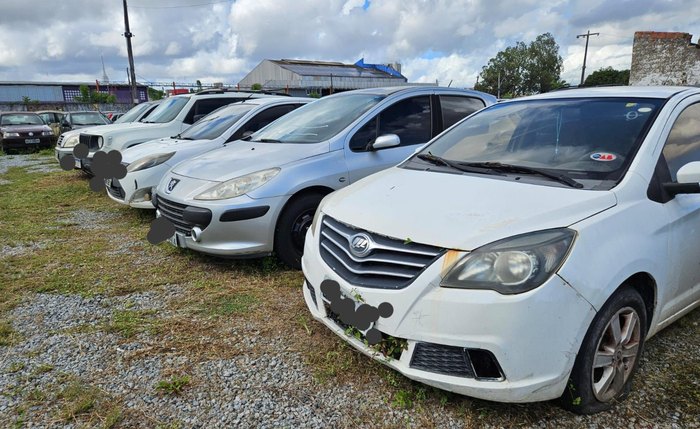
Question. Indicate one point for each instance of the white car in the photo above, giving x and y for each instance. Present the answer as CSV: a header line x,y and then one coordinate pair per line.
x,y
172,116
527,252
147,163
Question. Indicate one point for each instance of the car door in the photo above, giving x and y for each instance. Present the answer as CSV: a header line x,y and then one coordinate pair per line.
x,y
682,287
411,119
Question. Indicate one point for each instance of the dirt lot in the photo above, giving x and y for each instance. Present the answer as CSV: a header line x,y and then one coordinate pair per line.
x,y
98,328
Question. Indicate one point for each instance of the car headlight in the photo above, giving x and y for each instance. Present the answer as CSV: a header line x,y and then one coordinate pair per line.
x,y
513,265
10,135
149,161
47,133
100,142
71,141
238,186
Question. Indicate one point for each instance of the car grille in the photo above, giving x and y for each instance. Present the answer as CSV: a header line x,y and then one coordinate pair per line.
x,y
116,190
60,140
173,212
442,359
91,141
392,264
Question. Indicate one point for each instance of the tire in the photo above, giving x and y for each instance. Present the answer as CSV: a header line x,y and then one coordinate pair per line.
x,y
291,228
618,355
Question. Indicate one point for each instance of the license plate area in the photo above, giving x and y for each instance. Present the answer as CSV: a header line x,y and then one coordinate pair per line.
x,y
32,141
178,240
78,163
336,317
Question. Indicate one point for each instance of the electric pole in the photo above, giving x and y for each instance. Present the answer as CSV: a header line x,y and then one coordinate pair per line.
x,y
585,52
130,53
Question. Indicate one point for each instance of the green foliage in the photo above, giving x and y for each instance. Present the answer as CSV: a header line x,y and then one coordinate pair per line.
x,y
608,76
524,69
173,386
256,87
89,96
314,94
402,399
27,101
154,94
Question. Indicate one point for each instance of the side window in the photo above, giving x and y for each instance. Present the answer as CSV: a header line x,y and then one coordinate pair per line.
x,y
262,119
456,108
683,144
204,107
410,119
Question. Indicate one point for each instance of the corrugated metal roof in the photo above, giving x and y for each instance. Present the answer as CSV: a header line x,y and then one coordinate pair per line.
x,y
321,68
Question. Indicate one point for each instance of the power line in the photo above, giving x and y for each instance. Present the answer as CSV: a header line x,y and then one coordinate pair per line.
x,y
585,52
182,6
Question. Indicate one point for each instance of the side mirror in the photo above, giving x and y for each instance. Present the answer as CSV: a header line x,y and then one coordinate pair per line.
x,y
687,180
65,123
386,141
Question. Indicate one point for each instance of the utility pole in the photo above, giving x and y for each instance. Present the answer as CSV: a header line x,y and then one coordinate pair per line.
x,y
130,53
585,52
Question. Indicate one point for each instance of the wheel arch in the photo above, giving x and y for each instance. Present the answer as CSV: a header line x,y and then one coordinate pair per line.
x,y
645,284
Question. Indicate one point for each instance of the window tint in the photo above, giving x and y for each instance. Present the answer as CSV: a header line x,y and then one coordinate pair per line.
x,y
409,119
262,119
167,110
206,106
456,108
133,113
217,122
683,144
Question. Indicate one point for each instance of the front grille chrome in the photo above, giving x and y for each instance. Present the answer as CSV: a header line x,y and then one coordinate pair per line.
x,y
92,142
174,213
391,263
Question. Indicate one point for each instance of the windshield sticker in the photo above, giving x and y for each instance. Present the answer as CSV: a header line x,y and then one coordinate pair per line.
x,y
630,104
644,110
603,156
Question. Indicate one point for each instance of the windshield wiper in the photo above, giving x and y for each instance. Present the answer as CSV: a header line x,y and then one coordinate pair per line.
x,y
433,159
268,141
510,168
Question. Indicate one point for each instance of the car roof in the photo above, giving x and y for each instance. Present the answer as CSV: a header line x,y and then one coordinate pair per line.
x,y
10,112
50,111
615,91
269,100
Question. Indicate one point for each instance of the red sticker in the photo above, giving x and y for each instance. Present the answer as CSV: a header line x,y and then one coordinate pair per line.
x,y
603,156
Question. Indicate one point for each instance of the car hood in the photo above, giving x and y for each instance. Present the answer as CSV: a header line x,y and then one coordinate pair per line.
x,y
24,128
242,157
456,211
164,145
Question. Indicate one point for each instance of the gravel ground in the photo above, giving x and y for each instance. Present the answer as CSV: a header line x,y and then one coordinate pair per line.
x,y
32,164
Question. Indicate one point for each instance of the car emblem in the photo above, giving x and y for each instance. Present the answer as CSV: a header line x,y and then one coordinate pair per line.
x,y
360,245
171,185
31,134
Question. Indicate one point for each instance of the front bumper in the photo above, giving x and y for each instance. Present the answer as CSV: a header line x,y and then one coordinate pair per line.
x,y
21,142
133,188
533,336
248,235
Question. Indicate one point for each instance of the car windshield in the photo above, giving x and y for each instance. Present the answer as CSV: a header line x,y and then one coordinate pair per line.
x,y
87,118
216,123
133,113
584,139
167,110
317,121
21,119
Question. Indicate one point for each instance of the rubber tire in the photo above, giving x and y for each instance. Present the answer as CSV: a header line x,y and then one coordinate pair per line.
x,y
578,396
284,247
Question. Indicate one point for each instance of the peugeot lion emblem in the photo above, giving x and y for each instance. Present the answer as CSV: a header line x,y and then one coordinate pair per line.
x,y
31,134
171,185
360,245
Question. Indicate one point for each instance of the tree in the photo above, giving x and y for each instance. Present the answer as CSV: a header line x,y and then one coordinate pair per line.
x,y
608,76
256,87
523,69
154,94
88,96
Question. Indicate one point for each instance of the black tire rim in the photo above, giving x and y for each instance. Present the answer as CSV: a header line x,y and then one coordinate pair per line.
x,y
300,225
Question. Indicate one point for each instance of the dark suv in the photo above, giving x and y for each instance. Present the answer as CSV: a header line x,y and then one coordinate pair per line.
x,y
20,130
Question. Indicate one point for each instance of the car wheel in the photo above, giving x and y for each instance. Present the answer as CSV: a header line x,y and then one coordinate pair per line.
x,y
609,356
291,229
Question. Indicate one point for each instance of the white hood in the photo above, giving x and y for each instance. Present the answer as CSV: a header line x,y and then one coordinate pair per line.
x,y
459,211
167,145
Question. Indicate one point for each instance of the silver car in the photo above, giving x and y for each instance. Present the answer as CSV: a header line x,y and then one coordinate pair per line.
x,y
260,194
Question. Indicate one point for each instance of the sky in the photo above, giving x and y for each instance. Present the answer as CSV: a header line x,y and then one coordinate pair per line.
x,y
222,40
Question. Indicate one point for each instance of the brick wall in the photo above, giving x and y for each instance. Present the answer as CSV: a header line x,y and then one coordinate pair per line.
x,y
664,58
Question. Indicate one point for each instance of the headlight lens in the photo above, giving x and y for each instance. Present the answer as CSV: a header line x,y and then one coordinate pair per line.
x,y
11,134
71,141
514,265
47,133
238,186
149,161
100,142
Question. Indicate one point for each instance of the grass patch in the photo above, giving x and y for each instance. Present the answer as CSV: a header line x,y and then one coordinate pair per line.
x,y
128,323
227,305
77,398
174,385
16,367
8,335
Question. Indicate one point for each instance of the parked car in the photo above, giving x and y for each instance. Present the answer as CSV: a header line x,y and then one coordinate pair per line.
x,y
21,130
529,251
69,139
147,163
259,195
171,117
53,119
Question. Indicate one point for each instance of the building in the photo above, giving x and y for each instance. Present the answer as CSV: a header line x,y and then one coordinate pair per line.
x,y
61,94
660,58
300,77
